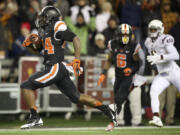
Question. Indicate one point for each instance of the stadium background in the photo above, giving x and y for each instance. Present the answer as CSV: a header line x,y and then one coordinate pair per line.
x,y
17,19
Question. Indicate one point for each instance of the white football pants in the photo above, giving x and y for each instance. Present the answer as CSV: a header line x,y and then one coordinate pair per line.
x,y
135,108
160,83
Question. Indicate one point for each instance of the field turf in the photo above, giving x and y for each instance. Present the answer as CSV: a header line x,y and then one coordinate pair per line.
x,y
77,125
95,131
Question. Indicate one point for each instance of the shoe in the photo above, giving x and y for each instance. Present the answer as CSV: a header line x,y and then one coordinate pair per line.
x,y
110,126
156,121
33,121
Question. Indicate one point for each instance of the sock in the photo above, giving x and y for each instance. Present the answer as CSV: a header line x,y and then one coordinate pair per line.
x,y
105,110
33,111
118,109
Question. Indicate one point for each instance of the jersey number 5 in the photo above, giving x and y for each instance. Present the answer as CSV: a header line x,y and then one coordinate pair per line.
x,y
48,46
121,60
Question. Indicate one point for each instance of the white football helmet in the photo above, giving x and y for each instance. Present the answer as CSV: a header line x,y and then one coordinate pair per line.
x,y
155,28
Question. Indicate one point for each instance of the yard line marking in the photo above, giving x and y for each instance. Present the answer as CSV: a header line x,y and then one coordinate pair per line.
x,y
88,128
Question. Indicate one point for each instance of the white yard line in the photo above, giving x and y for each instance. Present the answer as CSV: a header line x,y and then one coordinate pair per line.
x,y
87,128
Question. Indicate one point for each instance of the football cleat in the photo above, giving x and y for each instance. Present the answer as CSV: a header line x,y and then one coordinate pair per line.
x,y
156,121
110,126
33,121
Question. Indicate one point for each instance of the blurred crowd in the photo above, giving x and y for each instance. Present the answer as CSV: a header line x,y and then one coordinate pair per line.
x,y
94,21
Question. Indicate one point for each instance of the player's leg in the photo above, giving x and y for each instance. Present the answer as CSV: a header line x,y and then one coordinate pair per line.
x,y
135,106
122,90
175,77
37,80
28,94
162,101
159,84
170,105
69,89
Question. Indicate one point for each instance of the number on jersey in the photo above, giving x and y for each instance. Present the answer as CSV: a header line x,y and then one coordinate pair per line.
x,y
48,46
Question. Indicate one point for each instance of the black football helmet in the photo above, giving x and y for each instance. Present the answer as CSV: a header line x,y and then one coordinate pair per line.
x,y
124,34
47,16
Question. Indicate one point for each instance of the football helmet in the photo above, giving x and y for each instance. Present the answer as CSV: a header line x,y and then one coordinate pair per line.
x,y
47,16
124,33
155,28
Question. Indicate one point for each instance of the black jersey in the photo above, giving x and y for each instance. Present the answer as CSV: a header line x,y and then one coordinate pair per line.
x,y
53,47
123,57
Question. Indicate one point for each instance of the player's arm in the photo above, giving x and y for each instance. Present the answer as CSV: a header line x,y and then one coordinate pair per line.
x,y
62,33
33,43
171,52
136,58
77,47
107,65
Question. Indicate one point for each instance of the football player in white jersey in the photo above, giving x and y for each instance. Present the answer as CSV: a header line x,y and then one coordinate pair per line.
x,y
162,53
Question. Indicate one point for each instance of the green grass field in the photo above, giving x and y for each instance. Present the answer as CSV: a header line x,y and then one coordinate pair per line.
x,y
128,131
57,125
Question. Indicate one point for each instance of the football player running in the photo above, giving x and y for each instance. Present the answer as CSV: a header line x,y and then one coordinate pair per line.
x,y
53,33
124,55
162,53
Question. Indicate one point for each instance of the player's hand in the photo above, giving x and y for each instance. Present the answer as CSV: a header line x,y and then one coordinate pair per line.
x,y
154,59
101,79
32,38
76,66
127,71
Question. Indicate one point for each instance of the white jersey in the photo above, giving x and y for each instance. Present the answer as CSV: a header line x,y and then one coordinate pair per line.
x,y
164,45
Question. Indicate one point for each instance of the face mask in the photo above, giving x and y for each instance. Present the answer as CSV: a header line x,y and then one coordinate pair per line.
x,y
125,39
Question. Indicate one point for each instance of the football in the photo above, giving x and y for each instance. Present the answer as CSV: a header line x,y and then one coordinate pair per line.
x,y
36,41
33,43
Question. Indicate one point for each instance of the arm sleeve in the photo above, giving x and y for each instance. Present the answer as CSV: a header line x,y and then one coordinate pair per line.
x,y
66,35
61,32
172,53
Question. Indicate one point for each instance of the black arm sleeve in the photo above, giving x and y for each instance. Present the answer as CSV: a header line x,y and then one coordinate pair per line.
x,y
66,35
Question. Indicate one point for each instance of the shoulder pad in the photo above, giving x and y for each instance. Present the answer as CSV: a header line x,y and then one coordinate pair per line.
x,y
168,40
60,26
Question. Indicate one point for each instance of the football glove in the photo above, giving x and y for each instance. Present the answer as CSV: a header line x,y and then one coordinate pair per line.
x,y
101,79
31,39
154,59
127,71
76,66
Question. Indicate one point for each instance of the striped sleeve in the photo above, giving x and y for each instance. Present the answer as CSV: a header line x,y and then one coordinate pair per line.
x,y
60,26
